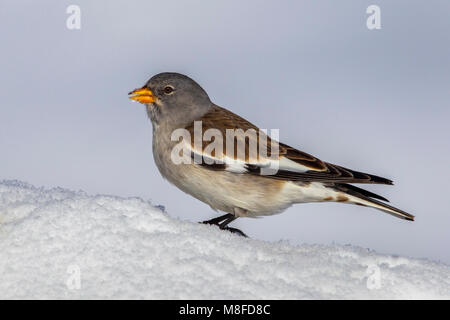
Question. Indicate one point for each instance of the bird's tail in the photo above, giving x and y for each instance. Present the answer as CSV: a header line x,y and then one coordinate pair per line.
x,y
366,198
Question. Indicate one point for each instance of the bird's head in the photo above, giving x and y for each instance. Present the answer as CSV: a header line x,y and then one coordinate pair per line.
x,y
172,95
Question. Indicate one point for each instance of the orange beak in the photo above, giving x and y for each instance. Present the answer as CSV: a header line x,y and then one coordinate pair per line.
x,y
142,95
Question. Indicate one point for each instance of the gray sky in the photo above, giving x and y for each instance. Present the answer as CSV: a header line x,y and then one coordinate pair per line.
x,y
376,101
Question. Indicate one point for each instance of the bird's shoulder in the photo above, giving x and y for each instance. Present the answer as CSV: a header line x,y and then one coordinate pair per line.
x,y
221,119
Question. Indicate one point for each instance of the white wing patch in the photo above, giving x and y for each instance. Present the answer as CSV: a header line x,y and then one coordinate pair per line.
x,y
289,165
240,166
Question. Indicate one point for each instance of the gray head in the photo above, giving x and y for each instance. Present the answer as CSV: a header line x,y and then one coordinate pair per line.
x,y
172,97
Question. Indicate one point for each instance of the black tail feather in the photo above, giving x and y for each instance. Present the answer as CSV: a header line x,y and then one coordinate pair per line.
x,y
355,191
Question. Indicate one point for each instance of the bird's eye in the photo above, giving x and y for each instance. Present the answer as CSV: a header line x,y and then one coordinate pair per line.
x,y
168,90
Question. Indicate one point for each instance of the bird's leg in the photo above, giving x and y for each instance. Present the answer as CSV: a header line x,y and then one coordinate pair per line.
x,y
217,220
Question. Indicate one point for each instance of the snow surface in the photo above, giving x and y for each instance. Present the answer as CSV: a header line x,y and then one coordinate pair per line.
x,y
68,245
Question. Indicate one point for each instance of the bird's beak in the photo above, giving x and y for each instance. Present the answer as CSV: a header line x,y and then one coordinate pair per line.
x,y
142,95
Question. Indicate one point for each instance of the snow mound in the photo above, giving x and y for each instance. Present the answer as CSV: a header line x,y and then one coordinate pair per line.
x,y
69,245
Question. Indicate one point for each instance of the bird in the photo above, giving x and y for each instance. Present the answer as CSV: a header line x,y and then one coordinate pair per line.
x,y
232,180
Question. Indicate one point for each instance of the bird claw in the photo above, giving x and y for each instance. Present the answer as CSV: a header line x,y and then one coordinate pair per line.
x,y
222,222
235,231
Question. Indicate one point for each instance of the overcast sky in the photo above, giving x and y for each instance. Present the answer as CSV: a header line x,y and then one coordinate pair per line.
x,y
372,100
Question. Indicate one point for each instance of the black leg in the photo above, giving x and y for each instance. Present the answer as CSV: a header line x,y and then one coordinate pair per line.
x,y
218,220
227,220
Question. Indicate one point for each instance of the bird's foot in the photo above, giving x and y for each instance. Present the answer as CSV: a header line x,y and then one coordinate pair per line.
x,y
235,231
222,223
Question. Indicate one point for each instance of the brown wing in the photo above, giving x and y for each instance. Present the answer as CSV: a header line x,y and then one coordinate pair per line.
x,y
221,119
310,168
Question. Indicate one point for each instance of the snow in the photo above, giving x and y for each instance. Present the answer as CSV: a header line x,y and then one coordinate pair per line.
x,y
63,244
